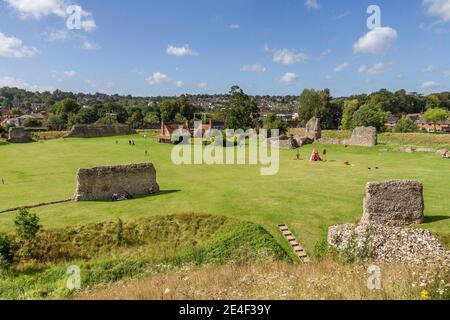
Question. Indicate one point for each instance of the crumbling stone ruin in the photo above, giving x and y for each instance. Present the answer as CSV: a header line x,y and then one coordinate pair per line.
x,y
364,137
103,183
394,203
389,244
19,135
313,132
389,207
284,142
361,136
93,131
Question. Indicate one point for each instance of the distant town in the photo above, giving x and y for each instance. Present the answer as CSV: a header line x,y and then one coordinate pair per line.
x,y
58,110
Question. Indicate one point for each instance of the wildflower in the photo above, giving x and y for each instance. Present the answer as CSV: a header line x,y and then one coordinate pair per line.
x,y
425,294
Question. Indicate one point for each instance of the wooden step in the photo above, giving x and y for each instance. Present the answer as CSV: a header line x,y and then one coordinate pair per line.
x,y
298,249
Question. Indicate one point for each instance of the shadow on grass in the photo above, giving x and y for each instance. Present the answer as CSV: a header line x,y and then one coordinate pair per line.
x,y
158,194
433,219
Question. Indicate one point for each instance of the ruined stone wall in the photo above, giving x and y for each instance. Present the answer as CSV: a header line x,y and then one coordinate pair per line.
x,y
364,137
101,183
394,203
313,132
93,131
381,234
361,136
19,135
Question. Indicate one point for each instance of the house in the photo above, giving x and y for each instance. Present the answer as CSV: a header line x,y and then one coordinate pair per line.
x,y
392,121
37,107
19,121
167,129
441,126
416,117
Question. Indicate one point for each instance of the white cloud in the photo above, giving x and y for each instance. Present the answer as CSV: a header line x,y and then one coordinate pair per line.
x,y
429,69
157,78
286,56
12,47
17,83
341,67
87,45
253,68
447,73
312,4
328,77
41,8
203,85
180,51
64,74
438,8
234,26
342,15
325,53
289,78
70,73
376,69
362,68
430,85
376,41
57,35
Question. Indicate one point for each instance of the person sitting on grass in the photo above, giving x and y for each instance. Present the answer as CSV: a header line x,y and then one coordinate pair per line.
x,y
315,156
446,155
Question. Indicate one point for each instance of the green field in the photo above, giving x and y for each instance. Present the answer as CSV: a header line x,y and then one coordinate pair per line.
x,y
309,197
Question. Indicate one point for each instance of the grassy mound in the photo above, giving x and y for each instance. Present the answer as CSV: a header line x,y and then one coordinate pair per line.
x,y
149,245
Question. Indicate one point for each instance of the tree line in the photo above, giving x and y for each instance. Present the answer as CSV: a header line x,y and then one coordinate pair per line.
x,y
239,111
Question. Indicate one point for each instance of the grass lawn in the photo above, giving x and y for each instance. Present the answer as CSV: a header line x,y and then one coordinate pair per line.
x,y
309,197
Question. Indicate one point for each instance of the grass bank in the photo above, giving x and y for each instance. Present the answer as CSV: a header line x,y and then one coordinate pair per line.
x,y
146,246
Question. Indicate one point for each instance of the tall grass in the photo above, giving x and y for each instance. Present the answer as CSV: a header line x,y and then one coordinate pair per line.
x,y
281,281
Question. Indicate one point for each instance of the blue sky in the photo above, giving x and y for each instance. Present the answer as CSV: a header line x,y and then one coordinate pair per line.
x,y
171,47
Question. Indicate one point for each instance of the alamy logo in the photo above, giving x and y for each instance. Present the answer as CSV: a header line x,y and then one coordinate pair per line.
x,y
374,20
234,147
74,278
74,13
374,280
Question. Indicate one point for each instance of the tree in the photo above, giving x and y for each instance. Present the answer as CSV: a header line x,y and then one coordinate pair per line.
x,y
107,120
54,122
272,121
370,116
179,118
434,115
14,112
241,112
169,109
27,225
6,254
311,105
151,118
136,120
405,125
350,107
32,122
86,116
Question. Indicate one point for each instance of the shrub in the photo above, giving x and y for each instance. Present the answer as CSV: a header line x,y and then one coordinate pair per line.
x,y
118,232
321,249
6,255
27,225
405,125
